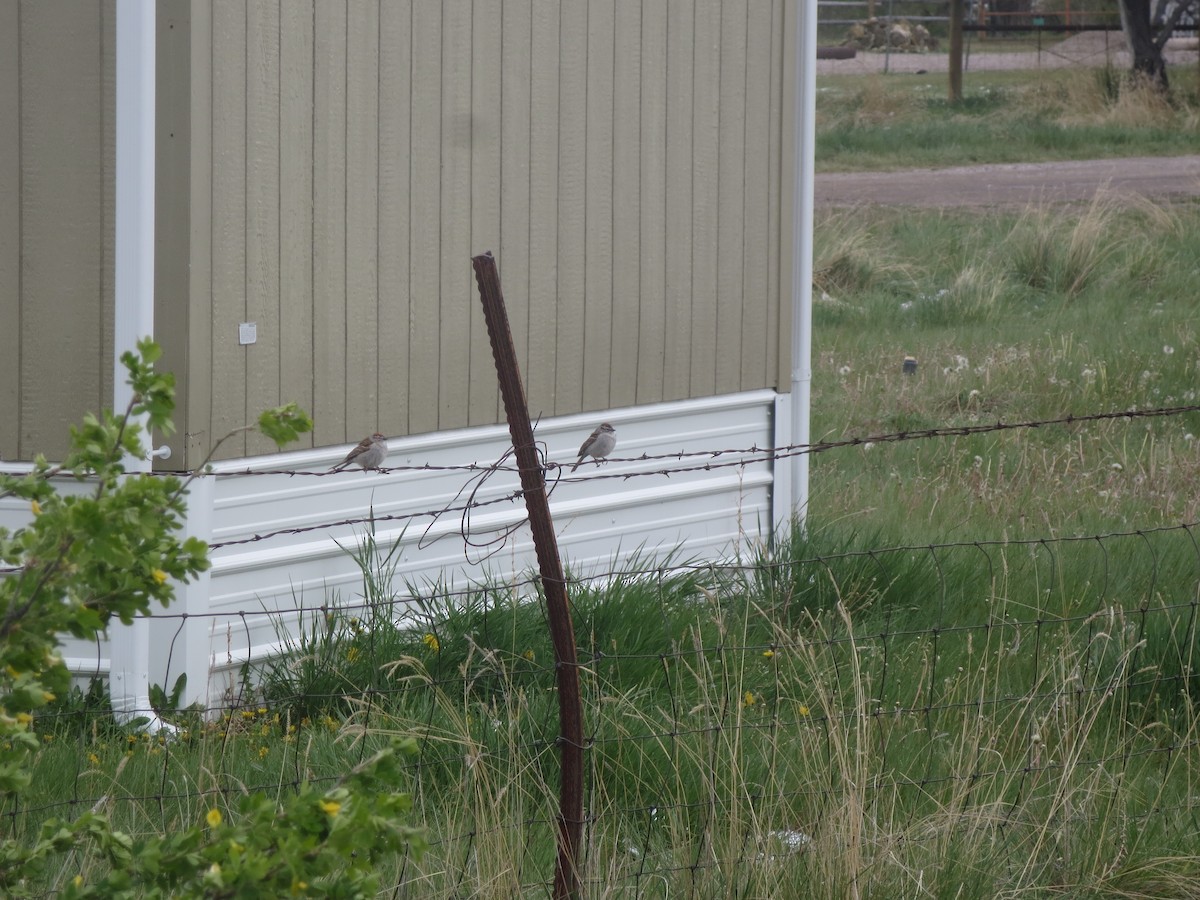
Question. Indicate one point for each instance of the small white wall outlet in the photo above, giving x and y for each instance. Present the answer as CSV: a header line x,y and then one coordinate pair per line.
x,y
247,333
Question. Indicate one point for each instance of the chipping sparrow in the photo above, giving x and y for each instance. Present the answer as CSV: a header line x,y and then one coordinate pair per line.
x,y
598,445
370,452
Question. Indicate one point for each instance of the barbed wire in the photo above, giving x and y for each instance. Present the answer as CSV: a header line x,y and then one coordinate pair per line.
x,y
746,457
758,454
764,454
770,562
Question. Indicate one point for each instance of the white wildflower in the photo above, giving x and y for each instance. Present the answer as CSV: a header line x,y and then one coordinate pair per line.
x,y
793,840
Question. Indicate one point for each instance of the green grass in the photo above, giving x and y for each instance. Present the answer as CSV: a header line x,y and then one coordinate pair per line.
x,y
879,122
1012,316
970,721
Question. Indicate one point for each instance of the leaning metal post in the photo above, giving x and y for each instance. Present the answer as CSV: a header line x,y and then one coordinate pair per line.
x,y
533,486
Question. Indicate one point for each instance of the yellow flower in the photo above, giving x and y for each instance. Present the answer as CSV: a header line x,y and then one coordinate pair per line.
x,y
24,718
749,699
528,654
93,759
77,881
352,654
159,575
47,696
768,653
213,818
432,642
263,751
331,807
803,710
36,507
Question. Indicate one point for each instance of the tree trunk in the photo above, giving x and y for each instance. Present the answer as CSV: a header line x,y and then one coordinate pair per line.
x,y
1139,33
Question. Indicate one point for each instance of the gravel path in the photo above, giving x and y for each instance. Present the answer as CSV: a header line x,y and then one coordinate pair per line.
x,y
1175,177
1091,48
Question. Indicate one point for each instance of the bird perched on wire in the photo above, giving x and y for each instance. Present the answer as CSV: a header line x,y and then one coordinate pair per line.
x,y
369,454
599,444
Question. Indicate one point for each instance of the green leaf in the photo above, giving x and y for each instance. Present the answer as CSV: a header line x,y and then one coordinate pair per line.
x,y
284,424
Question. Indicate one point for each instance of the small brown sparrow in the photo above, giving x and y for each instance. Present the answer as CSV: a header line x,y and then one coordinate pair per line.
x,y
598,445
369,454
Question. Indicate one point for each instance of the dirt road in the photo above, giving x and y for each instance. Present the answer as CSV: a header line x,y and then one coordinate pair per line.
x,y
1091,49
1015,184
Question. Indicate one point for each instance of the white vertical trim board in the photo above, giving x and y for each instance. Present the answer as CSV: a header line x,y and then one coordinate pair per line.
x,y
133,317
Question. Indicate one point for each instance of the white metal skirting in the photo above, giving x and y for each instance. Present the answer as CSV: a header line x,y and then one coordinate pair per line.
x,y
293,558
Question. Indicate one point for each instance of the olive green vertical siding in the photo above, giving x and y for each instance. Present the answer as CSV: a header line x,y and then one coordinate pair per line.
x,y
173,207
328,167
622,159
10,232
57,103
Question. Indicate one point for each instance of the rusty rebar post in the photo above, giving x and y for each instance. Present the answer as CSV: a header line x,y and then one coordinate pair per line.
x,y
533,485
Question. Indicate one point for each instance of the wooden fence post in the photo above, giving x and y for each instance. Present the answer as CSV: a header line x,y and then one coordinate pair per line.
x,y
956,50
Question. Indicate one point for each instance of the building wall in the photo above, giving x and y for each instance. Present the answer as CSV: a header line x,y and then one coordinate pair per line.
x,y
57,106
326,169
623,160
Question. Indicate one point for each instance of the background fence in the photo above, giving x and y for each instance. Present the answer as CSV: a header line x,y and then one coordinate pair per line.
x,y
979,12
847,717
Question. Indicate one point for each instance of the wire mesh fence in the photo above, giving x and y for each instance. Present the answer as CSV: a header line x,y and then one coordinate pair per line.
x,y
837,719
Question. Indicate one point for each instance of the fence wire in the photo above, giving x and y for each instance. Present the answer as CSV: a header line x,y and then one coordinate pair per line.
x,y
981,681
746,720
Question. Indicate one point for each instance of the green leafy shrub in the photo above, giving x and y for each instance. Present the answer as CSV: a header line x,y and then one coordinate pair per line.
x,y
111,553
